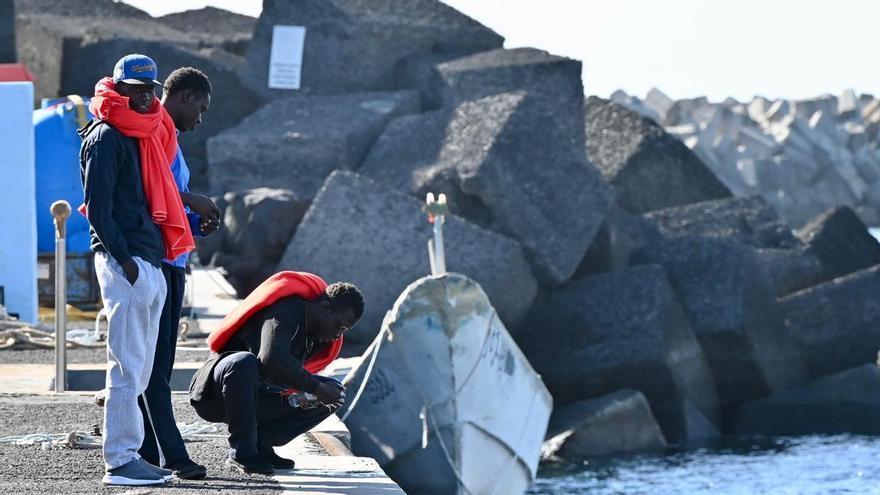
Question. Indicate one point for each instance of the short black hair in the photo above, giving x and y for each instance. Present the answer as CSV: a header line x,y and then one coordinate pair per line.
x,y
346,295
187,78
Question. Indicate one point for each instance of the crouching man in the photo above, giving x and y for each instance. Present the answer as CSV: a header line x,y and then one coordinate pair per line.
x,y
265,354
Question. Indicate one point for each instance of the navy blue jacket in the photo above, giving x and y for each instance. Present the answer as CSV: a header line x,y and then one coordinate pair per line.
x,y
119,221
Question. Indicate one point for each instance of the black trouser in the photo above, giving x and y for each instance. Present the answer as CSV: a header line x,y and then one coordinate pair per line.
x,y
163,445
257,420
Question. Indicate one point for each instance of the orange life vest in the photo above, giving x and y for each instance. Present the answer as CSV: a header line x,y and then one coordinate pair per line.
x,y
282,284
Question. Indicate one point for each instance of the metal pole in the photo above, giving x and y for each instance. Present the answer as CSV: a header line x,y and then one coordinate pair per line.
x,y
60,212
437,211
439,248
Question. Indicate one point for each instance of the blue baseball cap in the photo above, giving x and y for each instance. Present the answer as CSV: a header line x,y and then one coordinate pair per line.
x,y
136,69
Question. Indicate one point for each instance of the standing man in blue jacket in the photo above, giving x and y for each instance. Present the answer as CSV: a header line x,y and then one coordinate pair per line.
x,y
187,95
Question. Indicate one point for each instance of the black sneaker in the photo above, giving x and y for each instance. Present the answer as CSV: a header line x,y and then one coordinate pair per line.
x,y
251,465
188,470
277,461
132,473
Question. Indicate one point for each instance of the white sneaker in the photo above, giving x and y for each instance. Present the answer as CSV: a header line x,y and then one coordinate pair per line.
x,y
132,473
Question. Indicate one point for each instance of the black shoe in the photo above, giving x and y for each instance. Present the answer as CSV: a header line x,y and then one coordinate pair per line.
x,y
277,461
188,470
251,465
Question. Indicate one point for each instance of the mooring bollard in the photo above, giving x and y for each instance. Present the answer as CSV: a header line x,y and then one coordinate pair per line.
x,y
437,211
60,212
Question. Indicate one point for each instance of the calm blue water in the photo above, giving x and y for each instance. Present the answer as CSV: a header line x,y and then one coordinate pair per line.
x,y
812,465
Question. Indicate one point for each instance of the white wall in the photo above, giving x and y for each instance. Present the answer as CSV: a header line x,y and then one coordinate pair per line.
x,y
18,220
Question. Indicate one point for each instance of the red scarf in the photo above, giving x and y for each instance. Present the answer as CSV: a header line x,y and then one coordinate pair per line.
x,y
157,140
282,284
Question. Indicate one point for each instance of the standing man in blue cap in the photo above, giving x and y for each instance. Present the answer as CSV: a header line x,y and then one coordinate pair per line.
x,y
186,96
136,219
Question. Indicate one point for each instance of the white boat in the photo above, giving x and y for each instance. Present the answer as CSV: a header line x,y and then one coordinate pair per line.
x,y
451,405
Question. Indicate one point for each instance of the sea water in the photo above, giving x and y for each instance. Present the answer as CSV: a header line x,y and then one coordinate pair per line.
x,y
809,465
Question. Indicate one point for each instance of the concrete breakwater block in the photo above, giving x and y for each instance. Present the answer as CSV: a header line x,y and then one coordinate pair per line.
x,y
361,232
270,215
803,156
214,27
506,167
625,329
835,324
620,235
746,220
841,241
730,302
648,168
294,143
749,221
846,402
355,45
617,423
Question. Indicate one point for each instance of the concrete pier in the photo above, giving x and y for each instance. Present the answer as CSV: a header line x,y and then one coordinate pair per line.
x,y
324,462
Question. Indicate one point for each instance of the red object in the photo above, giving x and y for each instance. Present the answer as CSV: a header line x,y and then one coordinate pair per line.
x,y
157,140
282,284
15,72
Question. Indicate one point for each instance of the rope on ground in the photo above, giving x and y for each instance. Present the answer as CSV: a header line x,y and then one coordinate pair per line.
x,y
72,440
199,429
83,440
31,338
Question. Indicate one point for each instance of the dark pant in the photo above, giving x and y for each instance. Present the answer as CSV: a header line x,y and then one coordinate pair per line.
x,y
163,445
257,420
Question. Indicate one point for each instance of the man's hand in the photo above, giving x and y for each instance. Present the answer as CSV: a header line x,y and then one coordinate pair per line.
x,y
206,208
331,393
209,225
131,271
203,205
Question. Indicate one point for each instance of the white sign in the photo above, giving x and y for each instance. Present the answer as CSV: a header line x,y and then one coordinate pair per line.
x,y
285,60
42,271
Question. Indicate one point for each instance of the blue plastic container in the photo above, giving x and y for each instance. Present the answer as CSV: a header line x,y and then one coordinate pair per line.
x,y
57,171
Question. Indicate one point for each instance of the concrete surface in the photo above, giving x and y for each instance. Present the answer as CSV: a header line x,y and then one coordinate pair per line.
x,y
27,407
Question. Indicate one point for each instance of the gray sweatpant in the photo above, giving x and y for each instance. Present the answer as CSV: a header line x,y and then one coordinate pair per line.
x,y
133,313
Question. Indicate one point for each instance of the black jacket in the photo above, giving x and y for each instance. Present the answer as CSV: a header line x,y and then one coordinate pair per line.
x,y
277,336
110,169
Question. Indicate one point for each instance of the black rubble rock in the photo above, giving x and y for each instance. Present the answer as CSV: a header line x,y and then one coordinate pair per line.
x,y
841,241
483,155
617,423
214,27
622,330
746,220
836,324
648,168
80,8
361,232
294,143
846,402
620,236
730,302
355,45
7,32
257,226
749,221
